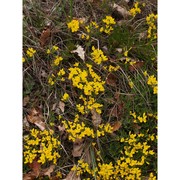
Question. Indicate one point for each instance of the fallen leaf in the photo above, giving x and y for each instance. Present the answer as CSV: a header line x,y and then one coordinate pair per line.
x,y
26,100
116,110
120,10
54,106
35,166
137,65
80,52
77,148
72,176
25,123
48,171
116,125
61,128
119,50
44,74
111,79
87,157
45,35
96,118
61,106
116,95
29,176
36,118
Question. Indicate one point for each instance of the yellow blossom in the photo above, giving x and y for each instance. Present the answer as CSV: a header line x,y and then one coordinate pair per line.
x,y
73,25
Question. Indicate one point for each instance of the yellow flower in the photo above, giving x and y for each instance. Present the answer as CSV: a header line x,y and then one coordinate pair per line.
x,y
30,52
155,90
152,80
135,10
48,51
98,56
65,97
57,60
23,59
73,25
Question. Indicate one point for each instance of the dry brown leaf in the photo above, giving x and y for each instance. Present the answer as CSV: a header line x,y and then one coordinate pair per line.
x,y
137,65
77,148
87,157
116,110
116,125
26,100
45,35
72,176
36,118
25,123
121,10
61,128
111,79
29,176
44,74
96,118
80,51
35,166
61,106
48,171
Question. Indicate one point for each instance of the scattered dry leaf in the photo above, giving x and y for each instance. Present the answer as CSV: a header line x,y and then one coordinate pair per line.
x,y
45,35
80,52
111,79
62,130
116,110
72,176
35,166
119,50
116,125
29,176
96,118
26,100
137,65
77,148
121,10
48,171
25,123
61,106
36,118
44,74
87,157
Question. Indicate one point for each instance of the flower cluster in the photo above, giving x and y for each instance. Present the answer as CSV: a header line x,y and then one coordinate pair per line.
x,y
90,84
89,29
65,97
135,10
152,81
52,80
57,60
78,130
52,50
108,25
73,25
151,22
42,146
30,52
98,56
81,168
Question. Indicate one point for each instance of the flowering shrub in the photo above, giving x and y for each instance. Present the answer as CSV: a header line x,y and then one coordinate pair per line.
x,y
42,146
96,84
